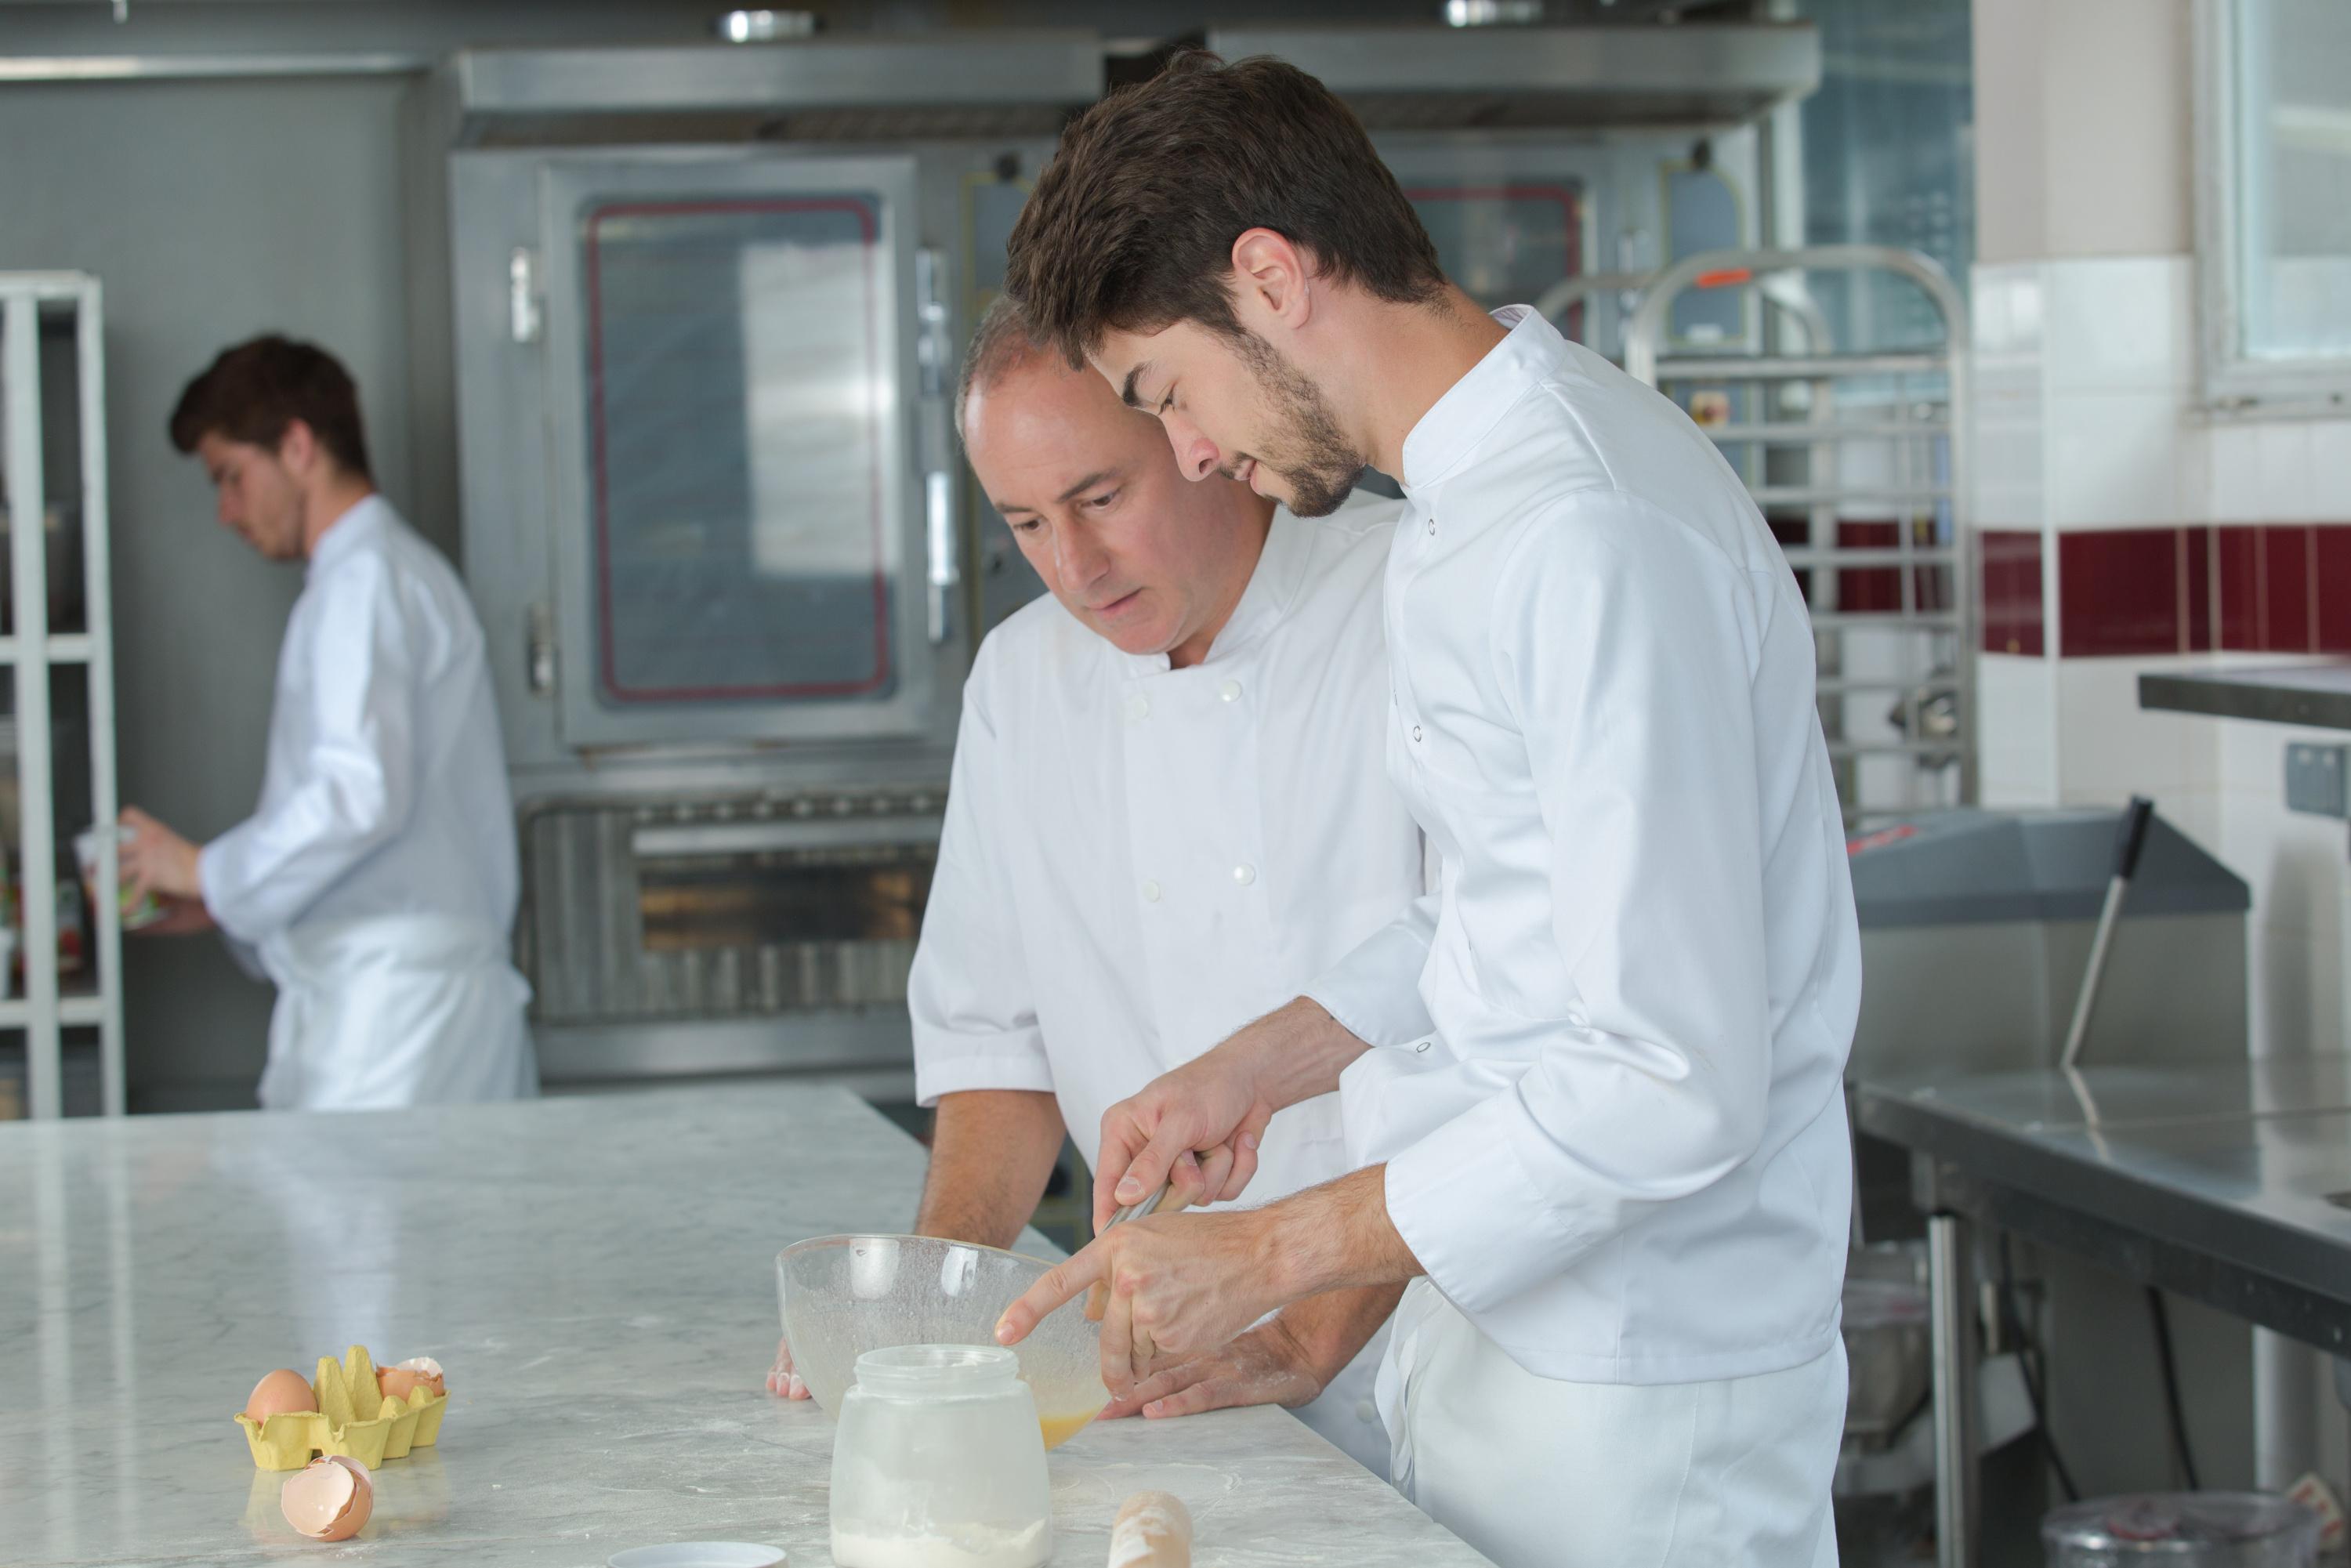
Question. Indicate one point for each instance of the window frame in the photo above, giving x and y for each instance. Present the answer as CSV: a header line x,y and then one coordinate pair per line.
x,y
2234,385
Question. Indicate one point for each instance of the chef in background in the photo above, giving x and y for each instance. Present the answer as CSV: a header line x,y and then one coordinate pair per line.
x,y
376,882
1167,812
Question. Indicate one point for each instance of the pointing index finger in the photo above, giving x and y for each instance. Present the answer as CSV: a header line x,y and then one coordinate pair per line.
x,y
1060,1283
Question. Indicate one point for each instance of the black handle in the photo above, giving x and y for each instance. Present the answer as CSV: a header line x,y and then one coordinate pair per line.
x,y
2131,837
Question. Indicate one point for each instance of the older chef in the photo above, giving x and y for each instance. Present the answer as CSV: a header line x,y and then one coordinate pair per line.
x,y
1617,1169
376,882
1167,815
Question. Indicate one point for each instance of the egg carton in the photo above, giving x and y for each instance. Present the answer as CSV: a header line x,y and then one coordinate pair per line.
x,y
353,1419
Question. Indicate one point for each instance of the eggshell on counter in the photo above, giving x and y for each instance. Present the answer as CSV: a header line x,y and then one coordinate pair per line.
x,y
327,1499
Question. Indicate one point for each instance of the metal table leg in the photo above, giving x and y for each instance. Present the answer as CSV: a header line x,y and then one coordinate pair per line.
x,y
1950,1293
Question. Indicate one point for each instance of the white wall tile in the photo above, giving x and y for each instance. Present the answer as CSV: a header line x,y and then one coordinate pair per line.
x,y
2114,458
2006,315
2330,470
2237,491
2118,323
2016,703
2191,470
2109,748
2281,457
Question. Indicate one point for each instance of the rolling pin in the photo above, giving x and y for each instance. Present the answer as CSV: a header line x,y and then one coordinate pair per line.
x,y
1152,1531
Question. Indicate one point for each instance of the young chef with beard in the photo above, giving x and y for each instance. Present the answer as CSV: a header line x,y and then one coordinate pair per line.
x,y
1167,814
376,882
1617,1169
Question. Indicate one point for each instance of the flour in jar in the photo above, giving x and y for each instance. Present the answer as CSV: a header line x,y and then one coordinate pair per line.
x,y
969,1546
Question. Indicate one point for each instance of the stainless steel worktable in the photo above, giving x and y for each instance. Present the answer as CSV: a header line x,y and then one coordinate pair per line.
x,y
2228,1183
2317,696
596,1274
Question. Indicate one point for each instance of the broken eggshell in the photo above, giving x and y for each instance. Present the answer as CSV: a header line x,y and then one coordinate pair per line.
x,y
329,1499
400,1381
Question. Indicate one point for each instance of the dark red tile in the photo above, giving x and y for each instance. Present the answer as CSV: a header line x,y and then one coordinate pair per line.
x,y
2237,557
2332,576
2198,552
2118,593
2287,619
1868,590
2009,574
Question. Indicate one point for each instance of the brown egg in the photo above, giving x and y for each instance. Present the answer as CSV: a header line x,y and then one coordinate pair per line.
x,y
399,1382
328,1499
279,1393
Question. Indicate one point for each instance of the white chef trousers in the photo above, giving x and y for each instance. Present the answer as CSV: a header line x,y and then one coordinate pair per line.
x,y
392,1011
1539,1473
1347,1413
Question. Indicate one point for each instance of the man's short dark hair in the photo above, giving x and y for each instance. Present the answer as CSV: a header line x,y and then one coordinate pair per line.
x,y
1003,343
1131,228
253,391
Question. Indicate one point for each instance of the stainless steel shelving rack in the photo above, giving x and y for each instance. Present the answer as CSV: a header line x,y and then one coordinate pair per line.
x,y
58,306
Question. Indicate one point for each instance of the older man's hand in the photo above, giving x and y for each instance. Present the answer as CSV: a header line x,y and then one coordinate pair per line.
x,y
1178,1287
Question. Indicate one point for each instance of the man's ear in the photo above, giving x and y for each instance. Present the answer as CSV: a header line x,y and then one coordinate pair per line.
x,y
297,447
1271,281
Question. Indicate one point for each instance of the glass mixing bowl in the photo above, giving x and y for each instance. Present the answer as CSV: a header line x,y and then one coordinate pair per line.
x,y
844,1295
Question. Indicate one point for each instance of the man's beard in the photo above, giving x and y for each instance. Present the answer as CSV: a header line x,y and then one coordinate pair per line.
x,y
1309,454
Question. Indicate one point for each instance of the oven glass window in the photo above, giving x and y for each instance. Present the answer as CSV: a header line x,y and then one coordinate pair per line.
x,y
737,389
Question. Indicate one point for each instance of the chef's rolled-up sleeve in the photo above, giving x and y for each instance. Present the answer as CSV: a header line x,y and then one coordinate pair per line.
x,y
1624,647
359,779
1374,991
973,1010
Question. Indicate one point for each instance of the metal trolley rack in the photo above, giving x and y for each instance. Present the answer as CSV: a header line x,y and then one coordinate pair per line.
x,y
1859,460
50,337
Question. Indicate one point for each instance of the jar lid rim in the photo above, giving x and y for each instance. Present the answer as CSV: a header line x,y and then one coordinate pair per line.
x,y
936,1365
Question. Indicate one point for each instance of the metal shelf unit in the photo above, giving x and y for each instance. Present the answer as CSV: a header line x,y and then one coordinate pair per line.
x,y
1872,439
65,303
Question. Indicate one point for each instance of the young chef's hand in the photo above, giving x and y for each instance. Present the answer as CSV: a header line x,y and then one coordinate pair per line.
x,y
1197,1126
1200,1124
783,1381
1179,1286
154,859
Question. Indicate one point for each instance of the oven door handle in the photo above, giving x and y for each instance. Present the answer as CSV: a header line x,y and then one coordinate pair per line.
x,y
939,532
699,840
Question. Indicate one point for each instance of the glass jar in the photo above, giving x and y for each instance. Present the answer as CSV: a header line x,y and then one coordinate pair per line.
x,y
939,1460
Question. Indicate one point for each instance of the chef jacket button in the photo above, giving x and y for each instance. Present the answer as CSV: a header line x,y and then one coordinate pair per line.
x,y
1415,732
1422,1048
1230,691
1366,1411
1245,874
1432,525
1138,708
1150,893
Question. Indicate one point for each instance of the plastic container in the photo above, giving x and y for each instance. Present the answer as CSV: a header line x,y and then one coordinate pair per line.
x,y
841,1296
939,1460
2182,1529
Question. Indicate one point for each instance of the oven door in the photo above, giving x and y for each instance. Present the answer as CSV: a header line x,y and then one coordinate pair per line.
x,y
741,541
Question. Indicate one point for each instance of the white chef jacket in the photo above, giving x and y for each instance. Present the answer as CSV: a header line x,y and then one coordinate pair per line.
x,y
1139,860
1621,1151
377,879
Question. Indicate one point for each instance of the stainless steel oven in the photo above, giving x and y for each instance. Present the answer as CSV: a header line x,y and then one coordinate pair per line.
x,y
706,307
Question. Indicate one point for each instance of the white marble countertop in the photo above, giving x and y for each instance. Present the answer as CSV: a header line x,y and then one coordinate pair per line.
x,y
597,1276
